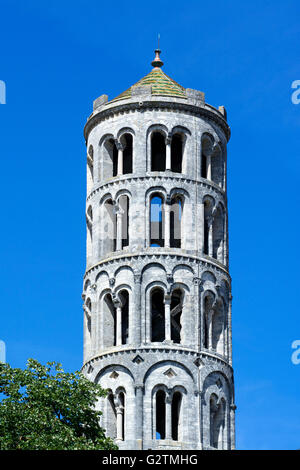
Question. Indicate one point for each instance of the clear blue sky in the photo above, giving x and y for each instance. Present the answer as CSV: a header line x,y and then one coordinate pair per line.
x,y
56,57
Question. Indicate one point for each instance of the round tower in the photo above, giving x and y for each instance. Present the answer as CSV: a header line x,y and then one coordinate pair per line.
x,y
157,291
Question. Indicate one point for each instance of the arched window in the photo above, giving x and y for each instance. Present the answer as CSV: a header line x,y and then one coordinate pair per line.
x,y
89,320
121,414
109,322
217,421
218,326
218,235
207,143
157,221
176,312
175,222
217,166
158,152
110,159
203,165
89,237
160,414
127,141
90,168
124,297
176,153
124,229
111,416
207,319
88,327
212,164
157,315
110,227
176,415
207,242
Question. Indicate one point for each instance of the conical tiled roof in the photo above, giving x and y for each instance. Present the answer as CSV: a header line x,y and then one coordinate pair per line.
x,y
161,83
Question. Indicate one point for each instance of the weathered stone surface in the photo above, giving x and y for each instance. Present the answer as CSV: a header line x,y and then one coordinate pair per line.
x,y
199,367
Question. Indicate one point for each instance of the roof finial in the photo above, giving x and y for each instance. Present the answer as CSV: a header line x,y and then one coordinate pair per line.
x,y
157,62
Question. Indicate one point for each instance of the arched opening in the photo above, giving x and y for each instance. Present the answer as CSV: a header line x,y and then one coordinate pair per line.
x,y
208,302
206,233
175,222
203,165
109,322
158,152
208,205
88,327
111,416
127,142
160,414
110,159
157,315
89,238
207,142
90,168
110,227
217,166
176,312
157,221
217,421
89,319
218,320
124,205
176,153
124,297
218,234
122,416
176,408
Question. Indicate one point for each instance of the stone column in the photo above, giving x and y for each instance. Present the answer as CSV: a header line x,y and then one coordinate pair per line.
x,y
168,416
120,414
168,153
139,390
208,173
167,209
225,243
137,308
118,307
119,230
210,237
120,158
210,324
198,310
232,427
200,227
87,341
229,326
167,317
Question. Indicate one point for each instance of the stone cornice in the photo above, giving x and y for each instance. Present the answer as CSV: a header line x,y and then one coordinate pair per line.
x,y
154,348
184,179
207,111
148,255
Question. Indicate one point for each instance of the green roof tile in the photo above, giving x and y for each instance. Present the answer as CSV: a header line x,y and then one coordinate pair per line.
x,y
161,83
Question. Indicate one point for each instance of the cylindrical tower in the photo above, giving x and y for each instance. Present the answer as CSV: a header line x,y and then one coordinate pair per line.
x,y
157,292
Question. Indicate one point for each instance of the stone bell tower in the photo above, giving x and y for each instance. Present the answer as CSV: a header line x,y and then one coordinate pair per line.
x,y
157,291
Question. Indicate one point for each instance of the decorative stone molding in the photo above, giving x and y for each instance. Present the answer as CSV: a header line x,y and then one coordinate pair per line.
x,y
152,179
178,258
208,112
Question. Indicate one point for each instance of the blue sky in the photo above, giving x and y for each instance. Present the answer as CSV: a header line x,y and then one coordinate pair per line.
x,y
56,57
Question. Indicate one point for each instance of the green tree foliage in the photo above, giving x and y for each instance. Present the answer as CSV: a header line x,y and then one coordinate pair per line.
x,y
43,407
